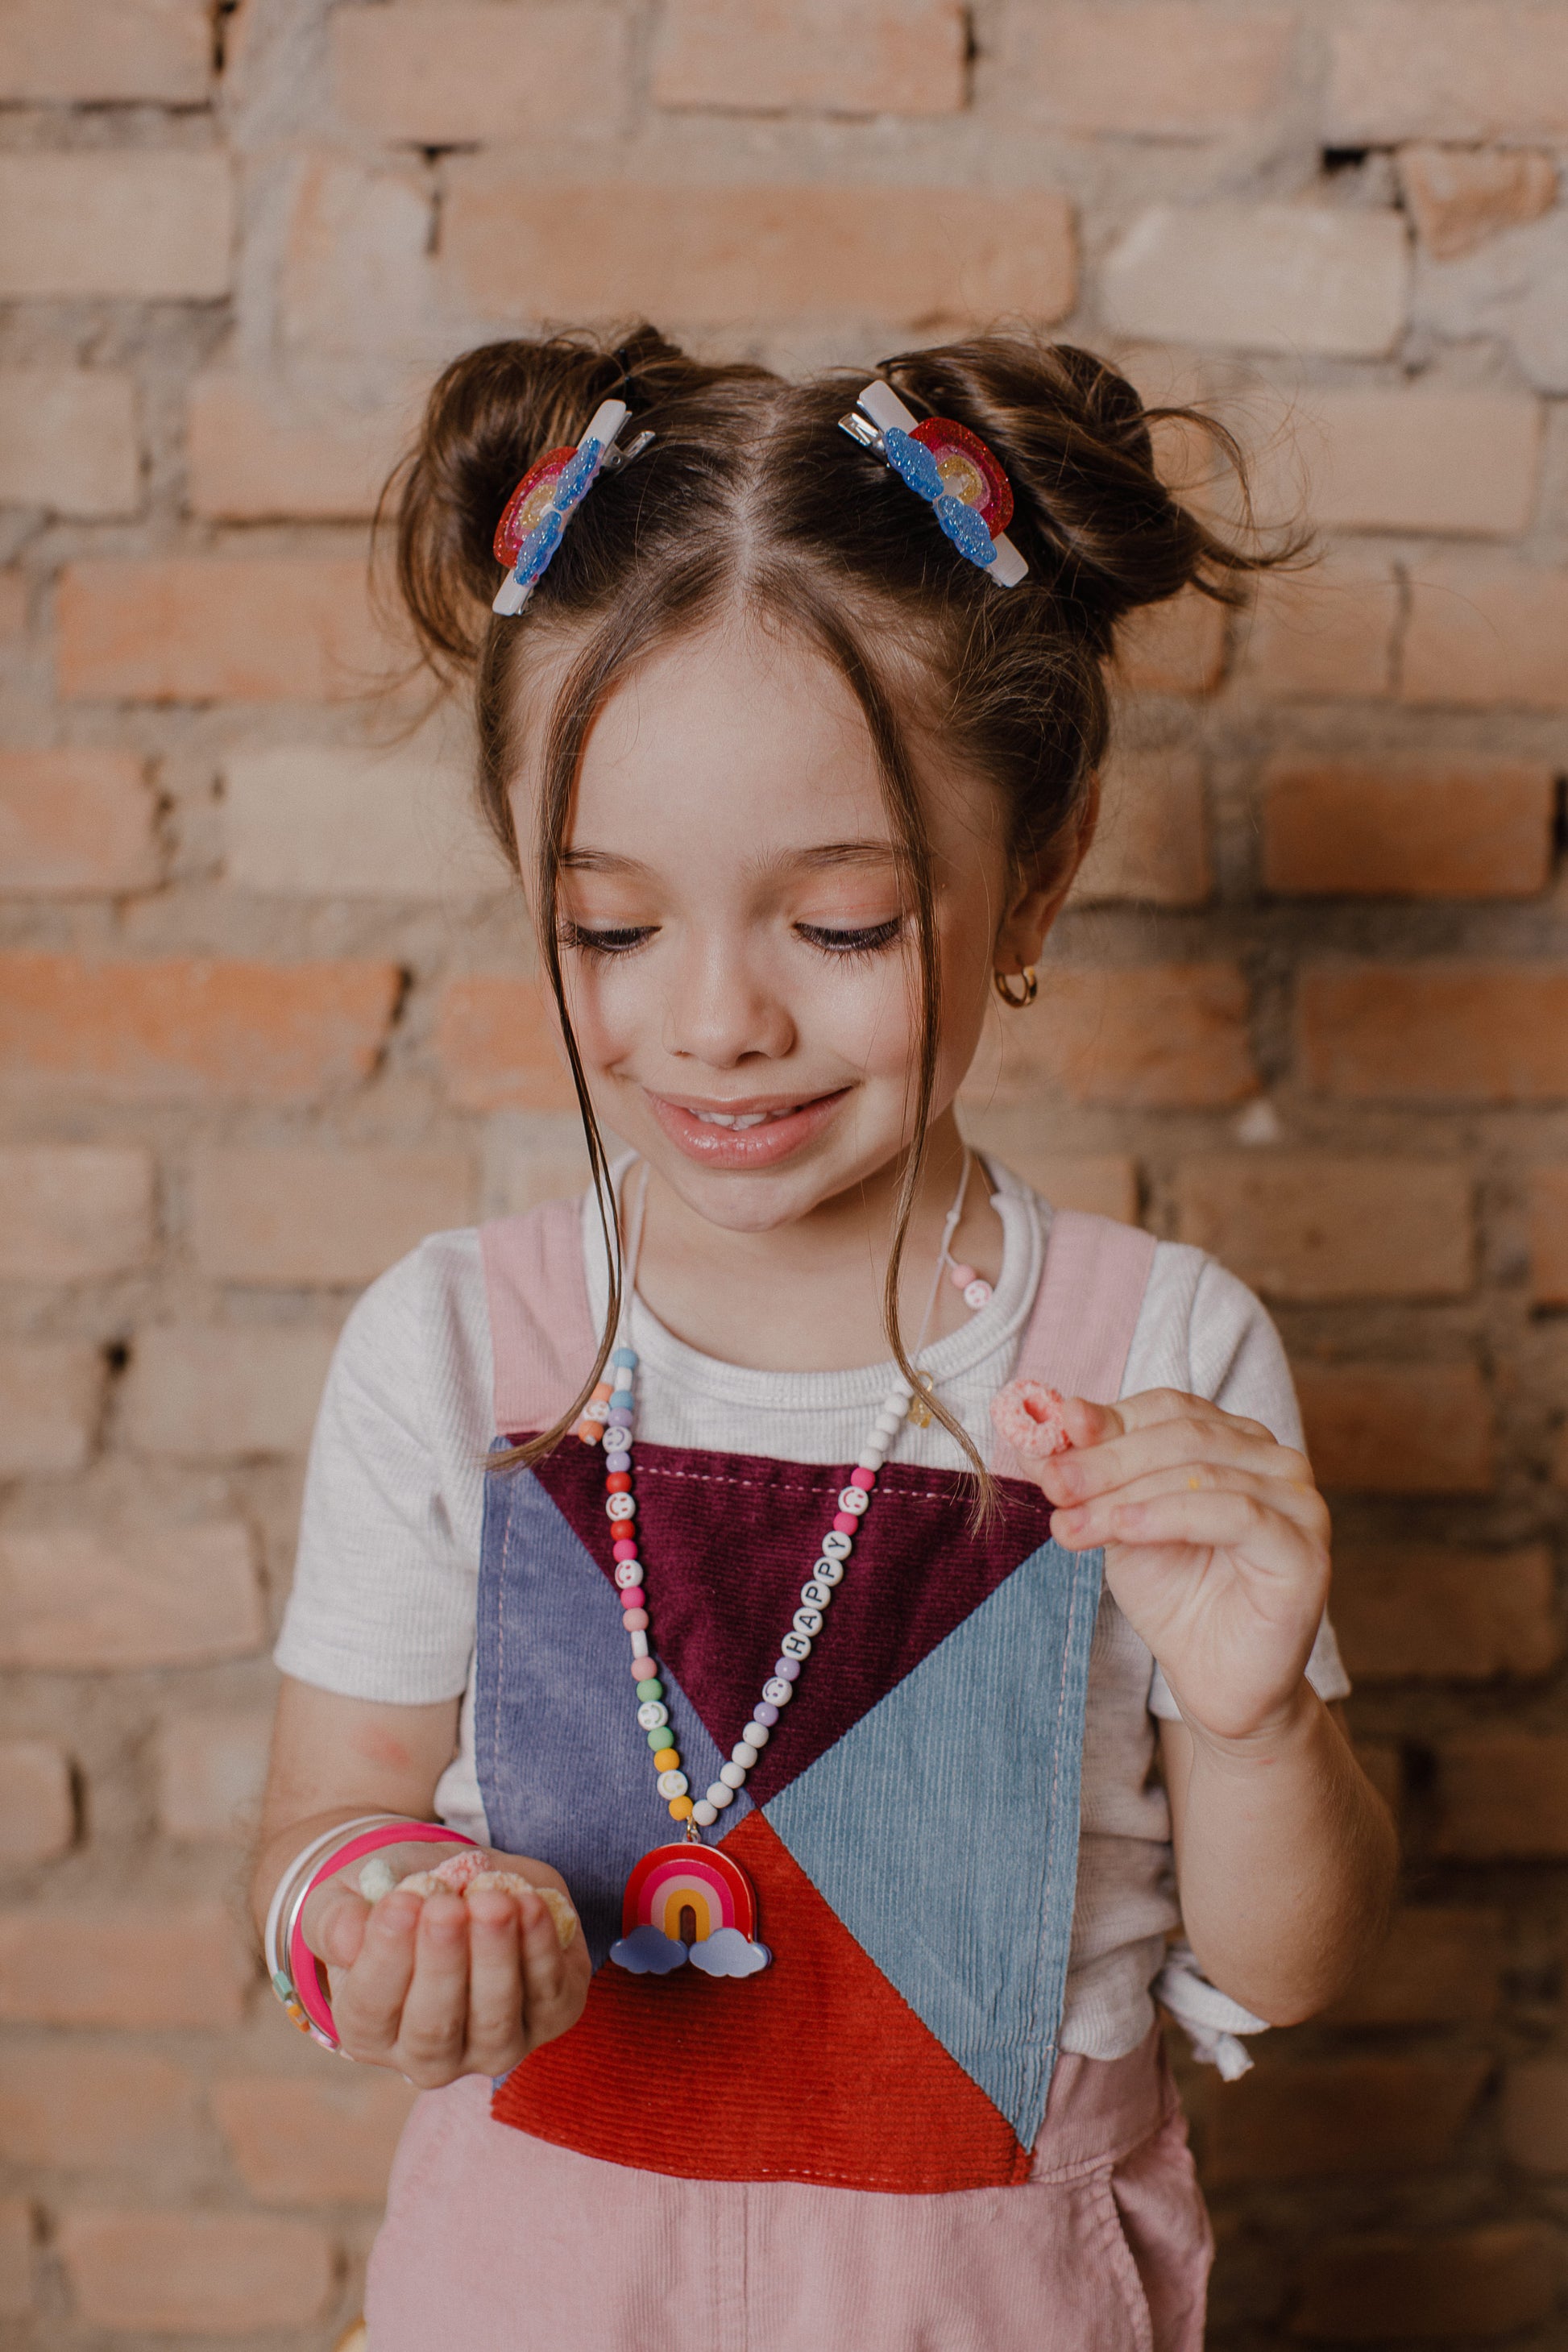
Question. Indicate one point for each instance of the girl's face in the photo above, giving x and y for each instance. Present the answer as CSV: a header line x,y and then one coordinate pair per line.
x,y
738,961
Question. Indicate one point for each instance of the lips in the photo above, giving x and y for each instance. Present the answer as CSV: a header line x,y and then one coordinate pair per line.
x,y
758,1133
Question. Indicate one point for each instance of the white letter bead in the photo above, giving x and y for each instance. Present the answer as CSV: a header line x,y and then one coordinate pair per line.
x,y
836,1545
744,1754
673,1784
808,1621
719,1796
704,1814
977,1294
796,1646
652,1713
732,1775
777,1692
598,1410
620,1506
828,1572
627,1573
815,1595
854,1499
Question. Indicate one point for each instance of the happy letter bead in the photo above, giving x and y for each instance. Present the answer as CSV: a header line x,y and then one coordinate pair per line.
x,y
816,1594
673,1784
836,1545
827,1571
808,1621
796,1646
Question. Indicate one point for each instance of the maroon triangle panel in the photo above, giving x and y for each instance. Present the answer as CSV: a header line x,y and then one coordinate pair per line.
x,y
815,2069
727,1541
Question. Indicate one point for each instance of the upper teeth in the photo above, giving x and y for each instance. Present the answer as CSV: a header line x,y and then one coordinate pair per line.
x,y
737,1117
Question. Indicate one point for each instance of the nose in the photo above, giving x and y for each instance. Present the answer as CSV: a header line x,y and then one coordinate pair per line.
x,y
723,1008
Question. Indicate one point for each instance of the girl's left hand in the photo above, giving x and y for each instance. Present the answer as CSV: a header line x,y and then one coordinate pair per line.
x,y
1216,1547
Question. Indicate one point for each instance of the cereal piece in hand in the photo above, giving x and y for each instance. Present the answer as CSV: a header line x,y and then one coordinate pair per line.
x,y
1029,1416
506,1882
376,1878
459,1875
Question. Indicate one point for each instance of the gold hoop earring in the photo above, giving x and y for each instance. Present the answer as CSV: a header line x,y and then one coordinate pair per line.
x,y
999,981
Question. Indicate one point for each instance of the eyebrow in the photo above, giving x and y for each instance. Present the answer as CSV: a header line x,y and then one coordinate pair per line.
x,y
823,858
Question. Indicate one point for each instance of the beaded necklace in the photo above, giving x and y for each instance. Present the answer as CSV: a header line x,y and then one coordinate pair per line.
x,y
688,1901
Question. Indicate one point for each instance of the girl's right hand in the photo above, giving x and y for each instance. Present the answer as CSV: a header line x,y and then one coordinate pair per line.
x,y
443,1985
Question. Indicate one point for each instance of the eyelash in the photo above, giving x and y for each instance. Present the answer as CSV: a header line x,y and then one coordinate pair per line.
x,y
626,942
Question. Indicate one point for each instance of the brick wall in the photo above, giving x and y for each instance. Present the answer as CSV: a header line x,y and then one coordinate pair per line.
x,y
267,1013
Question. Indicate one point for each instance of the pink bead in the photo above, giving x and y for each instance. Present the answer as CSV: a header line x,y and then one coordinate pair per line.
x,y
864,1479
960,1275
643,1670
847,1523
626,1549
633,1597
635,1619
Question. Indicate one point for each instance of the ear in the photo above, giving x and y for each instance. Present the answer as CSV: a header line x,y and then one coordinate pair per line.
x,y
1041,890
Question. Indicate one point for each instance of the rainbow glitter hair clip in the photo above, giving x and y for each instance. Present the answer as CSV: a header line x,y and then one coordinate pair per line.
x,y
949,466
549,495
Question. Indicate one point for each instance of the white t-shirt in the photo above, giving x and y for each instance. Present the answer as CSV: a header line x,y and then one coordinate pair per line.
x,y
385,1585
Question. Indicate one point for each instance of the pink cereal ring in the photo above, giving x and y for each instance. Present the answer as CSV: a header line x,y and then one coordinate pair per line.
x,y
458,1869
1029,1416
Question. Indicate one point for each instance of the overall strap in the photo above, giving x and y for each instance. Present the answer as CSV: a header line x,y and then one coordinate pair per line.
x,y
1086,1311
542,1338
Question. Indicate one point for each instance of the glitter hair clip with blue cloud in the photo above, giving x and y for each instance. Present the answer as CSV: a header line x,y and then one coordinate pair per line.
x,y
549,495
951,469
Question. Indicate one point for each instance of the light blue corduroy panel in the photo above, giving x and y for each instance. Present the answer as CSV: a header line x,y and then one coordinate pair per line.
x,y
566,1775
942,1828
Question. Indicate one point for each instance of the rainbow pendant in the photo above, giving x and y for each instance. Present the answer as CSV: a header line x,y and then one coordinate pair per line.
x,y
690,1902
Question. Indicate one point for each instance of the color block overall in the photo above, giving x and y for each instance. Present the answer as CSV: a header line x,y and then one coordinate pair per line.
x,y
872,2144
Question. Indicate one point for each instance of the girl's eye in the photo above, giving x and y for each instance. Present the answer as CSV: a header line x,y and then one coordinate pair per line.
x,y
866,941
617,939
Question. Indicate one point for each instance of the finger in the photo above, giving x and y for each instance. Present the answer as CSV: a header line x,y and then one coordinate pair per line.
x,y
1217,1518
495,2038
333,1924
550,2000
1214,1439
367,2001
1302,1505
436,2011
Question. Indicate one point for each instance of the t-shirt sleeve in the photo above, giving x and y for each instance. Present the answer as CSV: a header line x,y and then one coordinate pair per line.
x,y
1235,1355
385,1584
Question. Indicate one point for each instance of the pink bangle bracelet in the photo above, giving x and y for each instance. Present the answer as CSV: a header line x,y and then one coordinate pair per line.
x,y
305,1969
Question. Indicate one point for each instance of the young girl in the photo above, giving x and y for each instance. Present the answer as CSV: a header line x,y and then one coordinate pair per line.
x,y
862,1809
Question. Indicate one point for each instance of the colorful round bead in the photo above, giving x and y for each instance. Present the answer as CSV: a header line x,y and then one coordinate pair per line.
x,y
650,1687
681,1808
668,1759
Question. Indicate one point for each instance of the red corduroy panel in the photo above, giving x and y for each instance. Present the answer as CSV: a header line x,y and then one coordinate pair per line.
x,y
864,2095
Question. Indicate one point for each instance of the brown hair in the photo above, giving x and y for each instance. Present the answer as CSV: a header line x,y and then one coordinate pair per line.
x,y
750,494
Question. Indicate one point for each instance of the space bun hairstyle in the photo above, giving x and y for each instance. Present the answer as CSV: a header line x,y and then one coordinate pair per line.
x,y
750,497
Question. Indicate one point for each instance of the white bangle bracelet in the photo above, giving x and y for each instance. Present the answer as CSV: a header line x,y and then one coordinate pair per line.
x,y
274,1944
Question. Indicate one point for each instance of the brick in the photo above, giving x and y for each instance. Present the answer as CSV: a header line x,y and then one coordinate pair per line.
x,y
1325,631
735,255
1380,2287
1154,1036
1508,296
1464,70
134,227
1482,634
37,1822
1261,276
1437,1967
497,1048
75,823
322,2141
74,1211
1152,842
78,2108
307,1219
1501,1795
187,1029
211,1764
1547,1200
1458,197
51,1396
15,2257
1169,71
1348,2116
214,1395
472,70
58,52
1398,1429
1173,648
1409,1613
1536,2114
261,448
334,821
1429,1033
13,605
1462,463
770,57
357,274
78,1601
1309,1227
195,2273
1453,828
67,440
197,629
163,1964
1105,1183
